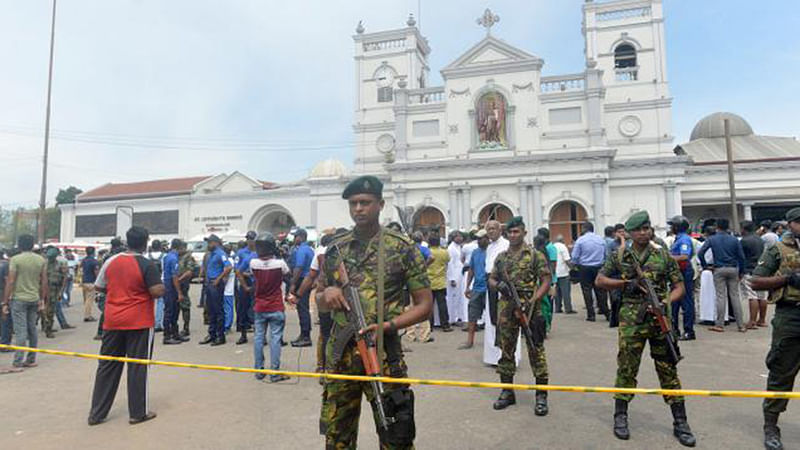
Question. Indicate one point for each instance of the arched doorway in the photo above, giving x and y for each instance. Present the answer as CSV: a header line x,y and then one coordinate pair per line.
x,y
429,219
494,211
274,219
566,219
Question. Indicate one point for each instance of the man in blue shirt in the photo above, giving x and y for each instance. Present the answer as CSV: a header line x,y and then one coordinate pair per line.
x,y
244,304
218,267
90,268
303,256
589,254
477,293
172,287
728,271
682,252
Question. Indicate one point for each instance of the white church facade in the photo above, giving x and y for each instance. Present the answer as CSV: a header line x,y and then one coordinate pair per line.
x,y
497,138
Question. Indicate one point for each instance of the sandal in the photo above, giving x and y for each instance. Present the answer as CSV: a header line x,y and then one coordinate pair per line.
x,y
752,326
762,324
742,329
717,329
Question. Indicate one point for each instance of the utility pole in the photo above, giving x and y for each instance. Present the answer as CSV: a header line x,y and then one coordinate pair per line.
x,y
731,182
43,194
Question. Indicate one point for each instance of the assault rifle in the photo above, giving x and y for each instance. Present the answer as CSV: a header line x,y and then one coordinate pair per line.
x,y
654,306
524,320
365,343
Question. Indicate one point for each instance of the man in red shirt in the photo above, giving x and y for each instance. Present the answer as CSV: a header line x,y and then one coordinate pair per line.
x,y
131,283
269,274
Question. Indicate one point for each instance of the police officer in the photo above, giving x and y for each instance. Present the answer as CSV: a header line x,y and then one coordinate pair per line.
x,y
779,271
217,269
171,295
187,269
362,250
634,330
682,252
244,301
528,270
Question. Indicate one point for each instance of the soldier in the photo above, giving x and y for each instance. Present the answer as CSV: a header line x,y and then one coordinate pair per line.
x,y
56,282
635,330
779,271
187,269
528,269
362,251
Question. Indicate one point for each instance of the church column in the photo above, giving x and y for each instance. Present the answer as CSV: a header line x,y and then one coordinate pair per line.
x,y
595,94
400,196
598,207
401,120
523,202
453,214
669,199
466,208
537,212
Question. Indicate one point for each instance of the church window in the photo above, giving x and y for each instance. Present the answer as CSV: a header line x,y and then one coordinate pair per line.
x,y
624,56
385,94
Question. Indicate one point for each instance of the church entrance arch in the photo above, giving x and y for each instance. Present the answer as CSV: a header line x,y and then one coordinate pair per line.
x,y
273,218
494,211
566,219
429,218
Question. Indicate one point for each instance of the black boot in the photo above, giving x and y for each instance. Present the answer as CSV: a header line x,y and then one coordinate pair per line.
x,y
170,337
540,405
621,420
242,339
680,427
772,434
507,397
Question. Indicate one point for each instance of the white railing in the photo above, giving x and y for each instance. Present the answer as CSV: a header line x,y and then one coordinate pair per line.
x,y
627,74
426,95
384,45
643,11
562,83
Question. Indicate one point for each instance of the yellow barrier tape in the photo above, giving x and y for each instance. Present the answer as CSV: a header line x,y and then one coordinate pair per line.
x,y
417,381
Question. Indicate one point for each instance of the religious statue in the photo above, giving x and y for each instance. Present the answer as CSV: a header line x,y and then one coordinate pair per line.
x,y
492,121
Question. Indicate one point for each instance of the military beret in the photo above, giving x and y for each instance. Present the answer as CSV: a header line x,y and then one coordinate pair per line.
x,y
637,220
366,184
515,222
793,215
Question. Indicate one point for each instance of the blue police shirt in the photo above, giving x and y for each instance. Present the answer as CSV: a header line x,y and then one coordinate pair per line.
x,y
683,246
244,256
303,256
89,265
170,264
217,262
477,262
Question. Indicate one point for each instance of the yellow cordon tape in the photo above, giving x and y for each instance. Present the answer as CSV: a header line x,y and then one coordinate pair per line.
x,y
447,383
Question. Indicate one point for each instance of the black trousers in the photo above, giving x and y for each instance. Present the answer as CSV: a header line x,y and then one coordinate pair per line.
x,y
440,299
133,344
244,308
587,276
216,318
171,312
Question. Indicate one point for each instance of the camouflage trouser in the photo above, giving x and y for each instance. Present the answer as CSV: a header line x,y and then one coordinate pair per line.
x,y
508,328
783,359
341,405
49,313
185,307
632,338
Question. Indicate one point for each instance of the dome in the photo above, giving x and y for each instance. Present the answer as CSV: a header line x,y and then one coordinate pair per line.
x,y
712,126
330,168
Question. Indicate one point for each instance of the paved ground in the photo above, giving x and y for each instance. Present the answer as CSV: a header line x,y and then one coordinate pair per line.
x,y
46,407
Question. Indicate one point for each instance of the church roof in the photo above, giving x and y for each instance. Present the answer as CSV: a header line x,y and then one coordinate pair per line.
x,y
491,55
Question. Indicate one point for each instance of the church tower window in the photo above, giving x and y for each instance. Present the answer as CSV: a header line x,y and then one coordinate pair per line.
x,y
624,56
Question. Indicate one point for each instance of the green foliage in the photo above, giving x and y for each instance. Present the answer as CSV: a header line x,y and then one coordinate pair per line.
x,y
67,195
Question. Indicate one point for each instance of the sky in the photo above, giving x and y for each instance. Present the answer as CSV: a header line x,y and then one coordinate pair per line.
x,y
147,89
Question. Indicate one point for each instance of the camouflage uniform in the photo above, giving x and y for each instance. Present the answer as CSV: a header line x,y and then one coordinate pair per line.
x,y
186,263
56,275
783,359
526,269
404,269
663,271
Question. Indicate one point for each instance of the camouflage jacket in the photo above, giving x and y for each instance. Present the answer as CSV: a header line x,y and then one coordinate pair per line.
x,y
525,268
657,266
404,268
782,258
186,263
56,273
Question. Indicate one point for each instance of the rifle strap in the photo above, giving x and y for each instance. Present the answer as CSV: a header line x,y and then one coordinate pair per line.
x,y
380,291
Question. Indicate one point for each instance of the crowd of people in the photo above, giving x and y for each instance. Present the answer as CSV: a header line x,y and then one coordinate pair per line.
x,y
492,279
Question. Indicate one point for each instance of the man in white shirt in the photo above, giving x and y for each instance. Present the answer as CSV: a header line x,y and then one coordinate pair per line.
x,y
455,292
497,245
564,285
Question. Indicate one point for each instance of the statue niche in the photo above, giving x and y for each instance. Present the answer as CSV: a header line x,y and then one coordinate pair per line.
x,y
491,121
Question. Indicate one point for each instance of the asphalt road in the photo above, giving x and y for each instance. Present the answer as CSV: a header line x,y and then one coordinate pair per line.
x,y
46,407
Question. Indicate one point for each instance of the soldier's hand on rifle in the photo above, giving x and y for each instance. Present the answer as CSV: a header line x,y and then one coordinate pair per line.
x,y
503,288
334,298
793,280
374,328
633,288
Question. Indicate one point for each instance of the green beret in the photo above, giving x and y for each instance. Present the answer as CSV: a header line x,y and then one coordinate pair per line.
x,y
515,222
366,184
793,215
637,220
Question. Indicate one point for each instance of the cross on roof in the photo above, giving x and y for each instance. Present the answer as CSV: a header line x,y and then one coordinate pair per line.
x,y
487,20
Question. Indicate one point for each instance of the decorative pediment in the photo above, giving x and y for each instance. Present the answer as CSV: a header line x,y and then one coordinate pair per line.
x,y
491,55
239,182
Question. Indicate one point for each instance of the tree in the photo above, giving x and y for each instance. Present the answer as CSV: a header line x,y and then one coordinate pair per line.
x,y
67,195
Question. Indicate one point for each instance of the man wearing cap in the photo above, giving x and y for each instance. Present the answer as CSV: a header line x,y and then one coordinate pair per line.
x,y
244,305
778,270
362,251
218,268
529,272
636,329
682,251
303,257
